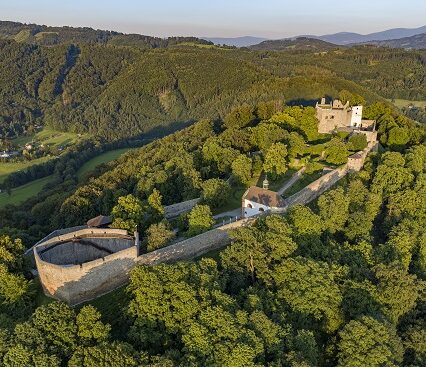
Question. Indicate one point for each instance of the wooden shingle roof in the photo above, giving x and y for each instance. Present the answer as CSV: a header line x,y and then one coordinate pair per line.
x,y
99,221
264,197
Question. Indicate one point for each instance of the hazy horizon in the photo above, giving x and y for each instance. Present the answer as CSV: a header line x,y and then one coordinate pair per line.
x,y
272,19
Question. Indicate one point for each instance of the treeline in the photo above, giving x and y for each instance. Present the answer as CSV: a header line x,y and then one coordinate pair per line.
x,y
391,73
415,113
49,36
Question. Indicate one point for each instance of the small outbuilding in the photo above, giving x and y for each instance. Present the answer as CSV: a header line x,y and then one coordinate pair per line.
x,y
257,200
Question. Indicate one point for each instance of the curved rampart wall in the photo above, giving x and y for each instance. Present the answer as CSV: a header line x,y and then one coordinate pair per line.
x,y
82,251
79,283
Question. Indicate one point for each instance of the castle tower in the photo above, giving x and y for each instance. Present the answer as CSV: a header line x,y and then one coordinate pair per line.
x,y
356,116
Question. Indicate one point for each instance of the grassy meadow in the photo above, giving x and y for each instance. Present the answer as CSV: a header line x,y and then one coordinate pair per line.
x,y
100,159
400,103
24,192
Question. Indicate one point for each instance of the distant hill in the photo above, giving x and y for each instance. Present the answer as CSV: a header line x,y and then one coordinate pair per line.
x,y
418,42
48,36
236,41
345,38
341,38
300,43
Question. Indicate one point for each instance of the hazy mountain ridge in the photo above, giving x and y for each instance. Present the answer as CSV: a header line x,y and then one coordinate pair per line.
x,y
418,42
345,38
340,38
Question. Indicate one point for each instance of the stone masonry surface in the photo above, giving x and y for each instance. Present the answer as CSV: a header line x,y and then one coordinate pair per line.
x,y
172,211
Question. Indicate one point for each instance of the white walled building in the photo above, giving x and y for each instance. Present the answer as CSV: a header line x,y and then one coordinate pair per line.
x,y
257,201
356,116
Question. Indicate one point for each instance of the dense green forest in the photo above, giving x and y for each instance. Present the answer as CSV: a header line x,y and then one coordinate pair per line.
x,y
338,283
49,36
300,43
115,90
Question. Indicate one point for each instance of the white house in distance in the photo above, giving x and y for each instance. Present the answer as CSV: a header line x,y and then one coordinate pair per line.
x,y
257,200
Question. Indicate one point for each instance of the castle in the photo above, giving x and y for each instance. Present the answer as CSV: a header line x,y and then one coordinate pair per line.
x,y
336,115
78,264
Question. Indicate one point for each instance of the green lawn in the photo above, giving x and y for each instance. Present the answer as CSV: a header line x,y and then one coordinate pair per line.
x,y
102,158
405,102
302,183
48,137
6,168
24,192
280,181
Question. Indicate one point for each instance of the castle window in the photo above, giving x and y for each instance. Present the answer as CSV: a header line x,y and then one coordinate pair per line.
x,y
250,206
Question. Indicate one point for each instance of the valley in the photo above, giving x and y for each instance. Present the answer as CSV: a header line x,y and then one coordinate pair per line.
x,y
170,202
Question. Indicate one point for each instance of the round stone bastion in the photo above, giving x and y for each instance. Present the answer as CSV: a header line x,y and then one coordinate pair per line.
x,y
79,265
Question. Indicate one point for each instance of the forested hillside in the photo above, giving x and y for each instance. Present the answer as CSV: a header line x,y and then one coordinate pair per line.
x,y
46,35
115,91
417,41
300,43
340,282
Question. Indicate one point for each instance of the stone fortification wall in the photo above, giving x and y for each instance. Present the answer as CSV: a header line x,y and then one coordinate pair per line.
x,y
194,246
313,190
79,283
324,183
55,233
172,211
357,160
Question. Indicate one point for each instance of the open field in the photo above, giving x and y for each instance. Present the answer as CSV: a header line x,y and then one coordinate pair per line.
x,y
400,103
101,158
24,192
6,168
48,137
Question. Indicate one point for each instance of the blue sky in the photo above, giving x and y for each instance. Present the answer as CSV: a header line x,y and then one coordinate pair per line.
x,y
223,18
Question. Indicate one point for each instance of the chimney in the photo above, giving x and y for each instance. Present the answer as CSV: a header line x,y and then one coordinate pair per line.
x,y
322,100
